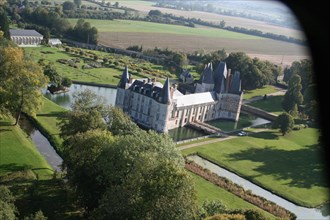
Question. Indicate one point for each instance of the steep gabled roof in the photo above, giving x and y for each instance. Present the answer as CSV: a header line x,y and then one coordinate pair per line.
x,y
235,86
208,74
165,93
220,76
124,78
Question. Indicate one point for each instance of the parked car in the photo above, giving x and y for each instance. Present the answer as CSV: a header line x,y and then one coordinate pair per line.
x,y
242,133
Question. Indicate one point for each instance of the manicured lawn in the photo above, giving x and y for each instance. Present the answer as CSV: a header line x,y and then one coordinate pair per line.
x,y
151,27
291,166
259,92
272,104
18,153
208,191
48,117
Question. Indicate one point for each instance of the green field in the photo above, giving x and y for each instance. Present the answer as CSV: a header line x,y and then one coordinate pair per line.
x,y
290,166
272,104
151,27
248,94
103,75
18,153
208,191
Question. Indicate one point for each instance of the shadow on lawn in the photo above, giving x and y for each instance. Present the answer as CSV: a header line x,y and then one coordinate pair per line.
x,y
304,168
266,135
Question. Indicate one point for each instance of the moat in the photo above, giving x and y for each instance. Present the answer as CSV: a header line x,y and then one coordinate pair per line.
x,y
178,134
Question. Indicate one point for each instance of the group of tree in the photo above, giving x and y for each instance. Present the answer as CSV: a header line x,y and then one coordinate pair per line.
x,y
48,21
255,73
8,211
301,95
56,81
21,81
300,98
120,171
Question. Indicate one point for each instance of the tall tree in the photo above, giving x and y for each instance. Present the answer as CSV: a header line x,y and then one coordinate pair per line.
x,y
284,122
21,83
77,3
293,97
4,23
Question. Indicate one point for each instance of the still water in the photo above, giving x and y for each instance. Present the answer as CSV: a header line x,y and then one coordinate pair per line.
x,y
42,144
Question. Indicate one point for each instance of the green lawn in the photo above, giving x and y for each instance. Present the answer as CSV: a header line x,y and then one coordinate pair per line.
x,y
48,117
248,94
290,166
208,191
151,27
272,104
18,153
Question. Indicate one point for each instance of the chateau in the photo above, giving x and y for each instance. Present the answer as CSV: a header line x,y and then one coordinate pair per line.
x,y
217,95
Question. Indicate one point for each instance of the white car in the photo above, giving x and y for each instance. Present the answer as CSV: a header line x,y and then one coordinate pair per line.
x,y
242,133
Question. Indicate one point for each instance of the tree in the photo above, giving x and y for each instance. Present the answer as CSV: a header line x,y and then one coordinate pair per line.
x,y
51,72
4,23
222,24
146,179
293,97
284,122
21,83
68,6
81,152
7,207
119,123
155,13
180,59
77,3
39,215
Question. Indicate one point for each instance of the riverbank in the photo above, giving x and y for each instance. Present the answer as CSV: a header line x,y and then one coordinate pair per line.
x,y
289,166
19,158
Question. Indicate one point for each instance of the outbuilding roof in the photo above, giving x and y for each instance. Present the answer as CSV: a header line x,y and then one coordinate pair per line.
x,y
24,33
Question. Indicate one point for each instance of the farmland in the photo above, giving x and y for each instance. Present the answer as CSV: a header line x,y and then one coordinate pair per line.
x,y
145,7
123,33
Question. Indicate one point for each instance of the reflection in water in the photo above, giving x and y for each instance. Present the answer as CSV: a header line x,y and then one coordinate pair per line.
x,y
245,120
42,144
65,99
299,211
184,133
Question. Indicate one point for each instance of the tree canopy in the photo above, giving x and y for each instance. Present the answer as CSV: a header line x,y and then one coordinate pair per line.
x,y
284,122
21,83
293,97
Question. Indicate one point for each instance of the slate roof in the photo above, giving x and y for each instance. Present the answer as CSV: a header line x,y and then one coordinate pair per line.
x,y
235,86
207,76
24,33
124,78
220,76
165,94
195,99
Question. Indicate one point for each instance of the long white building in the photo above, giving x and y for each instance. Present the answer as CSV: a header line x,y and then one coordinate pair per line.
x,y
25,37
217,95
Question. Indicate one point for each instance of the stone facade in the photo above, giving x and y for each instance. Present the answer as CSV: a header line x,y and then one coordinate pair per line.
x,y
152,105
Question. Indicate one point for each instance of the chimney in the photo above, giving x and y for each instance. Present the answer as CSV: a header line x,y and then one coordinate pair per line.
x,y
130,80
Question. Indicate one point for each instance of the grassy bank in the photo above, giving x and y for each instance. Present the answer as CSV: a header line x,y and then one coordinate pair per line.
x,y
290,166
272,104
248,94
208,191
18,153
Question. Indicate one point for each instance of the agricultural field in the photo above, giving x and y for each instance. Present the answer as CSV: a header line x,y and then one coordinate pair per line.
x,y
291,166
146,6
73,64
124,33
